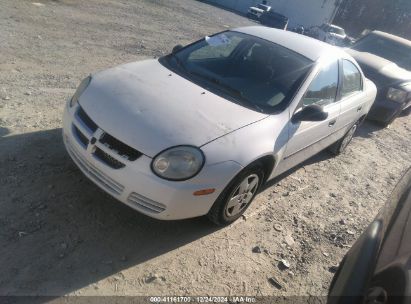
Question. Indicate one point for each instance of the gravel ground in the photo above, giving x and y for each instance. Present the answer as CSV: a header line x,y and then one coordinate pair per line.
x,y
60,235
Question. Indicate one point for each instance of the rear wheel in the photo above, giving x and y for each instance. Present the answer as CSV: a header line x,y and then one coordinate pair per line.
x,y
340,146
237,196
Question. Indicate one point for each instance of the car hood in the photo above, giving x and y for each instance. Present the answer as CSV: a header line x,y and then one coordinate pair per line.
x,y
150,108
380,70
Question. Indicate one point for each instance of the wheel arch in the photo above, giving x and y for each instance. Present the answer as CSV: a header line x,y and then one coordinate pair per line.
x,y
267,163
362,118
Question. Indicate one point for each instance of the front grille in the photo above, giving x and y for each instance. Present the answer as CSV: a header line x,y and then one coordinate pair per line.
x,y
145,204
119,147
107,140
86,120
80,136
107,159
96,175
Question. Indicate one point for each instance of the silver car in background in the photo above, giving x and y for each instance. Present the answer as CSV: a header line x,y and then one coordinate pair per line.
x,y
197,132
255,12
331,34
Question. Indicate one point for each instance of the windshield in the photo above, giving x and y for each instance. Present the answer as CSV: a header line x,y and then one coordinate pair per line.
x,y
251,71
386,48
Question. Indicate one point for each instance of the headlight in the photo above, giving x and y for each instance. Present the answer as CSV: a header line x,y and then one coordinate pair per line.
x,y
178,163
80,89
397,95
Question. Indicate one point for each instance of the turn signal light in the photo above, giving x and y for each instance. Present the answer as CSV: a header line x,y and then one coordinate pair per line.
x,y
204,192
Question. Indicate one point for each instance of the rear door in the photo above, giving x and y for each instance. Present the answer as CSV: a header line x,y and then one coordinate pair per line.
x,y
307,138
353,97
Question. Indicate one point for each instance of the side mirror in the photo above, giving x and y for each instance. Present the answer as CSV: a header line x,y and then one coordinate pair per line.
x,y
176,48
310,113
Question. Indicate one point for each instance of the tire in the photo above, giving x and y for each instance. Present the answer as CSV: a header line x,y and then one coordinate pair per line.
x,y
340,146
406,111
380,123
236,197
385,124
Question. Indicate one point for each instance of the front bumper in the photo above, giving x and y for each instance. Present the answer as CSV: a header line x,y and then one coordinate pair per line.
x,y
134,184
385,111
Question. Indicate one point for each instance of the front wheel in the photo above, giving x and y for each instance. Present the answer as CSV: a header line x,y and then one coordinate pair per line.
x,y
237,196
340,146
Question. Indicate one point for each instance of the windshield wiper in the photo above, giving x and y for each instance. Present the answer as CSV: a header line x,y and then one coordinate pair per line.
x,y
232,91
179,62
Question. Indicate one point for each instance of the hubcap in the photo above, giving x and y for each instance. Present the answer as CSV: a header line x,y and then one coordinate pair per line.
x,y
242,195
348,137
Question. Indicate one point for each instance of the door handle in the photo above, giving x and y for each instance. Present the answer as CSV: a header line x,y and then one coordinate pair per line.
x,y
332,122
359,108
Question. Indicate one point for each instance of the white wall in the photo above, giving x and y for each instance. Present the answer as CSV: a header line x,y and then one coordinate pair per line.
x,y
304,12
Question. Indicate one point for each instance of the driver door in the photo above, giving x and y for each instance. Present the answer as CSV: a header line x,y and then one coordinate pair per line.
x,y
307,138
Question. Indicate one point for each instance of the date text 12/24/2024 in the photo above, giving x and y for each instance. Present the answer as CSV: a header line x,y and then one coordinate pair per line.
x,y
205,299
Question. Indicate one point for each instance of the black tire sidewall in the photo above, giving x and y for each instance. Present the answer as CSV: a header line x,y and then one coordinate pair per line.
x,y
217,212
337,147
341,149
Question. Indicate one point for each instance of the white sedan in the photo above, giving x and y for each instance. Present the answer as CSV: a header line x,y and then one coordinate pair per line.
x,y
197,132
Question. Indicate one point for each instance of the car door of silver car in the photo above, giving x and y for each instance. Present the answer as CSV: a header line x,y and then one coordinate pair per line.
x,y
307,138
353,97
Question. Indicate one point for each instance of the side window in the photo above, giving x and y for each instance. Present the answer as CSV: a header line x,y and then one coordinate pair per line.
x,y
219,46
323,89
351,79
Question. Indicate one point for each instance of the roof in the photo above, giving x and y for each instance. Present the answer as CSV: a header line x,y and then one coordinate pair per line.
x,y
392,37
309,47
